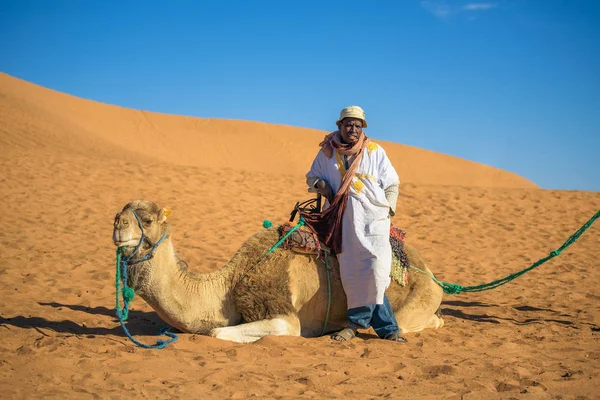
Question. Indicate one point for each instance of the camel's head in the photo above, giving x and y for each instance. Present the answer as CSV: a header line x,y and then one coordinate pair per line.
x,y
127,230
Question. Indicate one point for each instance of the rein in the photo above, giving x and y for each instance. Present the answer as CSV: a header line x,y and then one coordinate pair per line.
x,y
142,239
128,292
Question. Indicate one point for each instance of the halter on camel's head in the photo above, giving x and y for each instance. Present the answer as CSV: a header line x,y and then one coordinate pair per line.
x,y
141,225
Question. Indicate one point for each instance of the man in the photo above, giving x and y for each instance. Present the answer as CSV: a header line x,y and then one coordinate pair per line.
x,y
361,188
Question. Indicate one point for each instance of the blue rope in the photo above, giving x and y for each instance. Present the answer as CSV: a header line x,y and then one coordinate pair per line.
x,y
160,344
128,292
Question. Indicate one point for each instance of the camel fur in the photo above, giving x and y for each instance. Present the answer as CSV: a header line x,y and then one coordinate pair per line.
x,y
283,294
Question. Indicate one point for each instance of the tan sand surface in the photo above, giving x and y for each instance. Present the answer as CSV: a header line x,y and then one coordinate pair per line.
x,y
67,165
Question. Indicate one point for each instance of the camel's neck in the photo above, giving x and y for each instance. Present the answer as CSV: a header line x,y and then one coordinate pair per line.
x,y
188,301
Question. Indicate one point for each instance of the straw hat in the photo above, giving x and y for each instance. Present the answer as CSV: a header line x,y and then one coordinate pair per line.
x,y
352,112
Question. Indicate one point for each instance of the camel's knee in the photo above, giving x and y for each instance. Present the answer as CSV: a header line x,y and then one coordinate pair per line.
x,y
252,331
436,322
286,325
233,334
417,323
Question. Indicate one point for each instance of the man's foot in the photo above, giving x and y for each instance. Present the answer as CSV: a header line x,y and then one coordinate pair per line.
x,y
395,337
344,335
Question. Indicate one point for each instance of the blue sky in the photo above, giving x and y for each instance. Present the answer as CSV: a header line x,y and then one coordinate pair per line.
x,y
512,84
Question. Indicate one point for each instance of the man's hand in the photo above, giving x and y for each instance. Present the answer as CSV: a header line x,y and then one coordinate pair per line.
x,y
321,186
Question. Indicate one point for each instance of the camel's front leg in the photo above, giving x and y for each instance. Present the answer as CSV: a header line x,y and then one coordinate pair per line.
x,y
252,331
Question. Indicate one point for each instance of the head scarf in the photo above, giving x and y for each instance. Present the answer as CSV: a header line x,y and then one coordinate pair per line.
x,y
333,141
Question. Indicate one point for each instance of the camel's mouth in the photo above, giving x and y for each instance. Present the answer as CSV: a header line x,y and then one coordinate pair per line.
x,y
125,238
126,243
121,239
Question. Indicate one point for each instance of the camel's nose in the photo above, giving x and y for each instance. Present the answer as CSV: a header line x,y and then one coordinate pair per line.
x,y
121,221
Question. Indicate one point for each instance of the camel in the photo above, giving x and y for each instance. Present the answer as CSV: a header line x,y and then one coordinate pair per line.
x,y
286,293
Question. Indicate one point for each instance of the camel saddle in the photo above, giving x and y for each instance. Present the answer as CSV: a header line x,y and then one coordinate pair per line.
x,y
305,241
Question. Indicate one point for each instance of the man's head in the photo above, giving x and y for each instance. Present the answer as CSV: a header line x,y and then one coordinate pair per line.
x,y
351,123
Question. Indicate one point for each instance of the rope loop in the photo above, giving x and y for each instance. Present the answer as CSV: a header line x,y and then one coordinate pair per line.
x,y
452,288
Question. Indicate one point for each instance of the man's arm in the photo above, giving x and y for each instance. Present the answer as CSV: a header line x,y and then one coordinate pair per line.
x,y
389,180
391,195
315,183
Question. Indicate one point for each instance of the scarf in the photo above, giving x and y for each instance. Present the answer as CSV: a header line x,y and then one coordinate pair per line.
x,y
327,224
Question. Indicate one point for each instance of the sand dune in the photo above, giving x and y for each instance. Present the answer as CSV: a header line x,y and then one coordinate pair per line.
x,y
35,117
67,165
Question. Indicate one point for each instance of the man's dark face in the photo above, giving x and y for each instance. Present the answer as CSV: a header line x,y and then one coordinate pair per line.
x,y
351,128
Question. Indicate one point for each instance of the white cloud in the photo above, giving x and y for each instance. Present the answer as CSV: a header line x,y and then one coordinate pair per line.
x,y
442,10
478,6
438,8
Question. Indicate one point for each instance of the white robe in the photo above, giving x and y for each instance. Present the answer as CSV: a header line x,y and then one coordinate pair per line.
x,y
366,257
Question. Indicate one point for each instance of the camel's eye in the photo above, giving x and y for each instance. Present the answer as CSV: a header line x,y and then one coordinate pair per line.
x,y
148,221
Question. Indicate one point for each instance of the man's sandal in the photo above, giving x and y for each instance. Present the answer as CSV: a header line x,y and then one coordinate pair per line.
x,y
395,337
344,335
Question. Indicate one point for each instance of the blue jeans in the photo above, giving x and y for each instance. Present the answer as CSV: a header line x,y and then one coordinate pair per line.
x,y
380,316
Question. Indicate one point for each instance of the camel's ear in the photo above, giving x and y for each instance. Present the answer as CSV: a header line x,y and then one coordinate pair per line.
x,y
164,213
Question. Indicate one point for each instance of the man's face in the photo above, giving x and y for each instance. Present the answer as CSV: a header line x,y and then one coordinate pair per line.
x,y
351,128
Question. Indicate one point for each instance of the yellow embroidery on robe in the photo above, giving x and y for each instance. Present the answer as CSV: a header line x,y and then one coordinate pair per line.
x,y
372,146
341,166
358,186
366,176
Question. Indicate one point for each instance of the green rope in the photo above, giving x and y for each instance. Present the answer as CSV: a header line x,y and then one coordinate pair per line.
x,y
127,292
453,288
124,311
301,222
328,292
276,245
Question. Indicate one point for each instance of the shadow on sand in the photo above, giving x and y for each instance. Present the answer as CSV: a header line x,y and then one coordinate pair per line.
x,y
138,323
532,315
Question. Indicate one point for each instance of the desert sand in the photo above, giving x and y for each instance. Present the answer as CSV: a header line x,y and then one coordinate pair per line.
x,y
67,165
